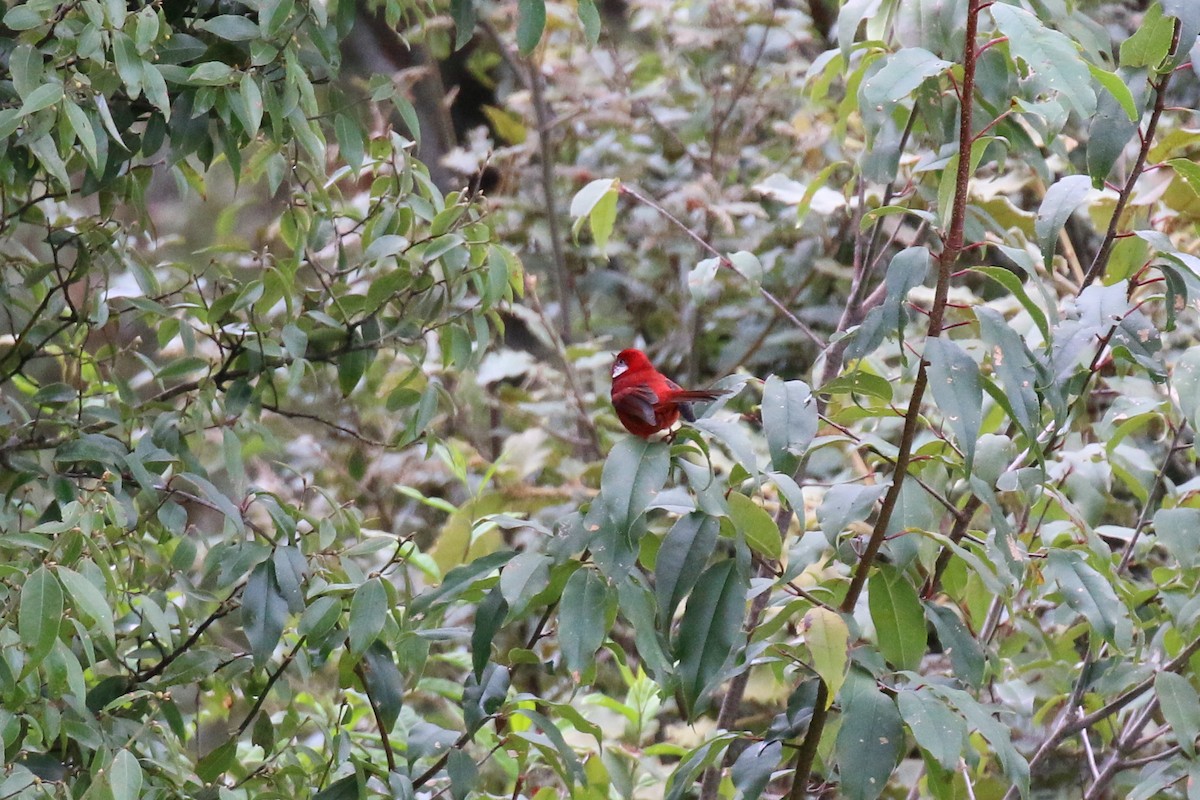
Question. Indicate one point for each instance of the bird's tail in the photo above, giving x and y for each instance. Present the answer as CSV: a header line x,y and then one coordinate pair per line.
x,y
685,398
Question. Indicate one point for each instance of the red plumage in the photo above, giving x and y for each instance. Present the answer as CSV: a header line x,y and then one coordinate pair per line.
x,y
646,401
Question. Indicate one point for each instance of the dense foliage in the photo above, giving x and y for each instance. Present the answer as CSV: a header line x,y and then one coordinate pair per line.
x,y
310,482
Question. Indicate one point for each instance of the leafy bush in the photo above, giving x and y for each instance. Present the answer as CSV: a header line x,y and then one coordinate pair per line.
x,y
284,514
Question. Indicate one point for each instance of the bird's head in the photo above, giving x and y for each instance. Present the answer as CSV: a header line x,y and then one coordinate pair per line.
x,y
626,360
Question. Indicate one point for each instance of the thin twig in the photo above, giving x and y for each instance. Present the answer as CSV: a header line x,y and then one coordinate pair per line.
x,y
275,676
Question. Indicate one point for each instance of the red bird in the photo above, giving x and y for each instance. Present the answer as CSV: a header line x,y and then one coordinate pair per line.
x,y
646,401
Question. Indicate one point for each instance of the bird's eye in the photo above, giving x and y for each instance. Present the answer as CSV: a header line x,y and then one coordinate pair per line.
x,y
619,367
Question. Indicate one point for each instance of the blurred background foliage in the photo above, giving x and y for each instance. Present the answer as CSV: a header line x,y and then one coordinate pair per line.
x,y
311,486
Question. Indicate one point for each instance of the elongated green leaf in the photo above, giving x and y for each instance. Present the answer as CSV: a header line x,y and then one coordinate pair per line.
x,y
573,768
523,577
1112,127
789,414
368,613
898,617
531,21
905,70
637,606
1150,42
1116,87
1014,365
1181,707
489,616
938,730
384,684
40,614
88,600
264,611
681,559
633,473
954,381
966,654
752,771
1053,60
581,619
1057,206
755,525
828,640
1178,529
870,740
125,776
589,16
711,628
1087,592
463,13
459,579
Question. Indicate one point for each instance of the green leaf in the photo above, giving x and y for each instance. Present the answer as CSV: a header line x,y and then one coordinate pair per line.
x,y
589,16
966,655
1180,707
789,415
845,503
633,474
939,731
753,768
264,611
582,620
1112,128
531,21
684,552
463,14
904,71
1012,283
1057,206
828,640
1116,87
464,775
523,577
898,616
859,382
252,104
231,27
637,606
383,682
368,612
1054,62
218,498
1014,365
1178,529
1087,593
350,145
755,525
489,616
870,740
597,204
957,390
711,629
125,776
572,770
459,580
351,366
1188,170
1150,41
88,600
40,615
42,97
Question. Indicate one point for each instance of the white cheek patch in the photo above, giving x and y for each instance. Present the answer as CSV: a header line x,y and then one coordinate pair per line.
x,y
619,368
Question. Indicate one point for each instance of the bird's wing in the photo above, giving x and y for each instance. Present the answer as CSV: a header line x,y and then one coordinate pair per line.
x,y
639,402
